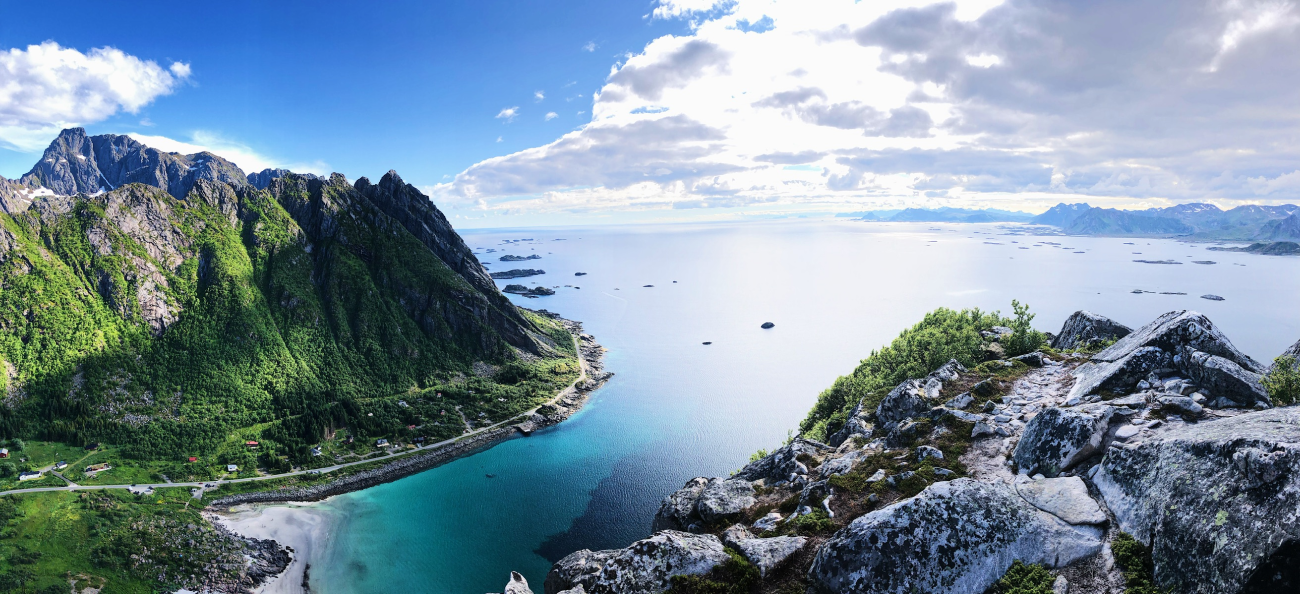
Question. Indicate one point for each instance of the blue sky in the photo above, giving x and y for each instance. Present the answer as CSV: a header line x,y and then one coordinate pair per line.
x,y
411,86
671,110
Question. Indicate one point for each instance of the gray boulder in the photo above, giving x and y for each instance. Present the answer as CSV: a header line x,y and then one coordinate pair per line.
x,y
677,511
769,553
1225,379
904,402
1057,439
517,584
722,500
1183,341
858,423
734,534
1175,331
1219,501
955,537
1066,498
646,567
840,465
781,464
1034,359
1292,351
1084,327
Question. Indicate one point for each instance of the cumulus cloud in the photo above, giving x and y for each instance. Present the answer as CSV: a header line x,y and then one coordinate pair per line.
x,y
236,152
508,114
550,115
45,88
1018,102
590,46
538,96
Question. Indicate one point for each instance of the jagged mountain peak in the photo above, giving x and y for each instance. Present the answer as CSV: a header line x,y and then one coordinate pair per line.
x,y
76,163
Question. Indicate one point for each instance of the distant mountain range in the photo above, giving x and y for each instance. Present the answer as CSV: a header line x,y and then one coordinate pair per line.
x,y
945,215
1194,221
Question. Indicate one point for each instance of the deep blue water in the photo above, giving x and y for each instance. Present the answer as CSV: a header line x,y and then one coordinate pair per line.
x,y
678,409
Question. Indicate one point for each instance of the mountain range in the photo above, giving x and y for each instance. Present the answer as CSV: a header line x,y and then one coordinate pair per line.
x,y
176,306
1195,221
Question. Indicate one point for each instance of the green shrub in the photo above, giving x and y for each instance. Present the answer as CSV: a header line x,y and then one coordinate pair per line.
x,y
942,335
1283,381
1134,560
1024,579
735,576
759,455
816,522
1024,339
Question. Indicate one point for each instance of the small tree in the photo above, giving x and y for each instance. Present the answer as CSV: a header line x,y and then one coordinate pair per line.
x,y
1023,339
1283,381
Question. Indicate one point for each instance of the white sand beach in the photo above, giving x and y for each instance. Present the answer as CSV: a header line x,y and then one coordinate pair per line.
x,y
299,526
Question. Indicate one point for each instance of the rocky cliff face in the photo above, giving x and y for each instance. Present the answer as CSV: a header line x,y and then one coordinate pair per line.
x,y
958,475
187,301
75,163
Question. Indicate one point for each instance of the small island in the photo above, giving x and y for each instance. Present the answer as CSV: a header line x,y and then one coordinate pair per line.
x,y
527,292
517,273
513,258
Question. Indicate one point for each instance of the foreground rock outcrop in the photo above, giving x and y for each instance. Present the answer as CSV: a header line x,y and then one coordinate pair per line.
x,y
1085,328
646,567
1048,458
1218,501
1183,342
958,536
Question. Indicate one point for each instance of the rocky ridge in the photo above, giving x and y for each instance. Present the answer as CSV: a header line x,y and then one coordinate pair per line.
x,y
1043,459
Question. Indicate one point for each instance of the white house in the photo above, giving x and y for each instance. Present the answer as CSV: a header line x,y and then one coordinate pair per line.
x,y
232,468
29,476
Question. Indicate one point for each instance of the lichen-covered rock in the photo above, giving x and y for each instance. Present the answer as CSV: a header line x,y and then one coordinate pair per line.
x,y
1059,438
1225,379
677,511
781,464
1122,375
1183,341
734,534
646,567
517,584
955,537
840,465
904,402
1292,351
1084,327
769,553
858,423
722,500
1219,500
1176,330
1066,498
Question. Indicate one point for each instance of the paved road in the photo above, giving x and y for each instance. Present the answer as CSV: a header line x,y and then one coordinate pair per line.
x,y
143,488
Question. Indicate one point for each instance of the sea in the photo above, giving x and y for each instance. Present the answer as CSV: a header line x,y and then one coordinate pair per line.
x,y
678,408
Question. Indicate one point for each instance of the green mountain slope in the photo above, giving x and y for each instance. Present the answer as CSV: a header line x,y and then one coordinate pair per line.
x,y
180,327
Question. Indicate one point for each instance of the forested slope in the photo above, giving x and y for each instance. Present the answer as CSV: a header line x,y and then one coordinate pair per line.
x,y
177,327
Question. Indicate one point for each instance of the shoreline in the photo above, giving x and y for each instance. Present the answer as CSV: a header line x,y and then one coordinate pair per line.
x,y
292,519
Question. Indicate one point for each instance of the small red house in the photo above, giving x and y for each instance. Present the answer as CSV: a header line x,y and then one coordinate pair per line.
x,y
193,459
250,443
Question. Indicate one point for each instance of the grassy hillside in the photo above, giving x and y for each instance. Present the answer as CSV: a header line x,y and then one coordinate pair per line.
x,y
175,328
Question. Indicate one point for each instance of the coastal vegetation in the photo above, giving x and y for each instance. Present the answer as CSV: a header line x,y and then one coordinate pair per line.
x,y
1283,381
941,335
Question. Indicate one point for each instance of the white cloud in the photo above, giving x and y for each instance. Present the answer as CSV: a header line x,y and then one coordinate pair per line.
x,y
848,104
500,138
508,114
45,88
538,96
590,46
238,153
550,115
668,9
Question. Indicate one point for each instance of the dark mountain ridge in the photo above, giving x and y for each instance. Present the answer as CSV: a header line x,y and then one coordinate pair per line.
x,y
187,323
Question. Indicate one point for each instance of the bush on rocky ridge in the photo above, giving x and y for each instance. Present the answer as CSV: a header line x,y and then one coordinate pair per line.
x,y
1283,381
942,335
1024,578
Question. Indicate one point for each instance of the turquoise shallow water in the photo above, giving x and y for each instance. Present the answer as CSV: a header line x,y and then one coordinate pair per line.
x,y
677,409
